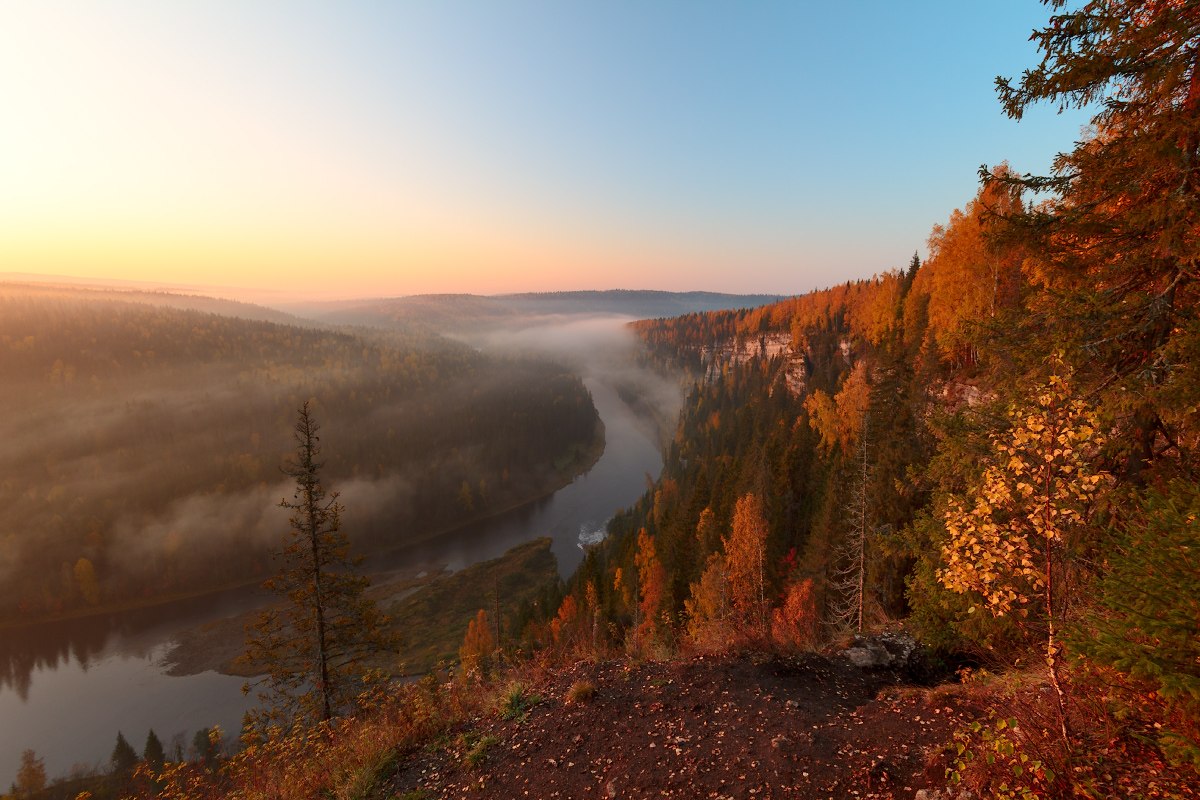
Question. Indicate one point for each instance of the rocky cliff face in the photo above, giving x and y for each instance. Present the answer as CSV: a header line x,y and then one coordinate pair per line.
x,y
742,350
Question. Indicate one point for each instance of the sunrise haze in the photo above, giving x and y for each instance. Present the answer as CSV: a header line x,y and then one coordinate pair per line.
x,y
391,149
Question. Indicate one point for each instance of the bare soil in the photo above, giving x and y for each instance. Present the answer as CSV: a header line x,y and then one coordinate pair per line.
x,y
725,727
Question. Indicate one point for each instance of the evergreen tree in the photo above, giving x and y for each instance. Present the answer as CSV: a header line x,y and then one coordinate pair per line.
x,y
153,753
911,273
1143,634
314,645
204,744
124,758
1116,245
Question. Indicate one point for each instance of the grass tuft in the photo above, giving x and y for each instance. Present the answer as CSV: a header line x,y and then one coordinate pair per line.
x,y
581,692
517,701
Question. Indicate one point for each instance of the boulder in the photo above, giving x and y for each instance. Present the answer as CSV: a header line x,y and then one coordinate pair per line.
x,y
891,650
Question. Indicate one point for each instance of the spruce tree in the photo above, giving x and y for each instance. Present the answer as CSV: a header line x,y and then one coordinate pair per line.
x,y
153,752
315,644
1144,633
1116,245
124,758
204,745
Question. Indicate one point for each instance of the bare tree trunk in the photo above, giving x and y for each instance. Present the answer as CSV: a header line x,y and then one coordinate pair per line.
x,y
1052,660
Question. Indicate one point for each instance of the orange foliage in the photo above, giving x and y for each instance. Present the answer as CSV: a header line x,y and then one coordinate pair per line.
x,y
852,402
325,760
966,277
745,555
708,611
564,626
653,579
795,623
623,589
874,309
839,421
475,654
822,417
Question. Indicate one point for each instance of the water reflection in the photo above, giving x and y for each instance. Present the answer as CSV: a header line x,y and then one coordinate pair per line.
x,y
43,647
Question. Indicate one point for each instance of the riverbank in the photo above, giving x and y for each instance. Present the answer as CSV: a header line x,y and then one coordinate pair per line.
x,y
429,608
578,461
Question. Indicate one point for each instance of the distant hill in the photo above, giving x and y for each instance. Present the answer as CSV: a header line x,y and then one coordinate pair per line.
x,y
166,299
634,303
454,311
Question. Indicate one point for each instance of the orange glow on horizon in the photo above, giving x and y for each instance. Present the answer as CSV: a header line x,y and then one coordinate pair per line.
x,y
326,264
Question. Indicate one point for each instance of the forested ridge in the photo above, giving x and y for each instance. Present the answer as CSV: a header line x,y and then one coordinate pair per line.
x,y
469,313
143,442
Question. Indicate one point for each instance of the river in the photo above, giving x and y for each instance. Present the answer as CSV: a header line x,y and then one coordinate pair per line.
x,y
67,688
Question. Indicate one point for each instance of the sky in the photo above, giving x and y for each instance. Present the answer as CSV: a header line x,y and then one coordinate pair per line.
x,y
352,149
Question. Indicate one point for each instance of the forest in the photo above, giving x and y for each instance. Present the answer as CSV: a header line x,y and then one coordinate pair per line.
x,y
995,447
144,438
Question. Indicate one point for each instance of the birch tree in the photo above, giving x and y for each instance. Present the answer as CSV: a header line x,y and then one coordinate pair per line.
x,y
1006,544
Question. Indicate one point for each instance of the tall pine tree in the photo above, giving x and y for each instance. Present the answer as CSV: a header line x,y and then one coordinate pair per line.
x,y
314,646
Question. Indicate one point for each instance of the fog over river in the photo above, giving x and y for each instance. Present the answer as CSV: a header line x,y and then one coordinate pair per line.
x,y
66,688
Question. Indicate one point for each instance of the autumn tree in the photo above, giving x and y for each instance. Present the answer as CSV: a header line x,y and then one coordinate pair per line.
x,y
839,420
707,608
624,593
652,585
314,645
796,622
31,775
85,578
1116,243
1006,545
593,616
969,275
565,625
475,653
745,561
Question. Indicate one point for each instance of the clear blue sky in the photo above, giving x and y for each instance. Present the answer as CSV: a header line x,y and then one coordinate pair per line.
x,y
393,148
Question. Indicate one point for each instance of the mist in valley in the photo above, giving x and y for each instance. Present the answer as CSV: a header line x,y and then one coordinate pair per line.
x,y
144,446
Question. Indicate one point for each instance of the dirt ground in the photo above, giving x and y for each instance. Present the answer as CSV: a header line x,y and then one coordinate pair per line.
x,y
728,727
